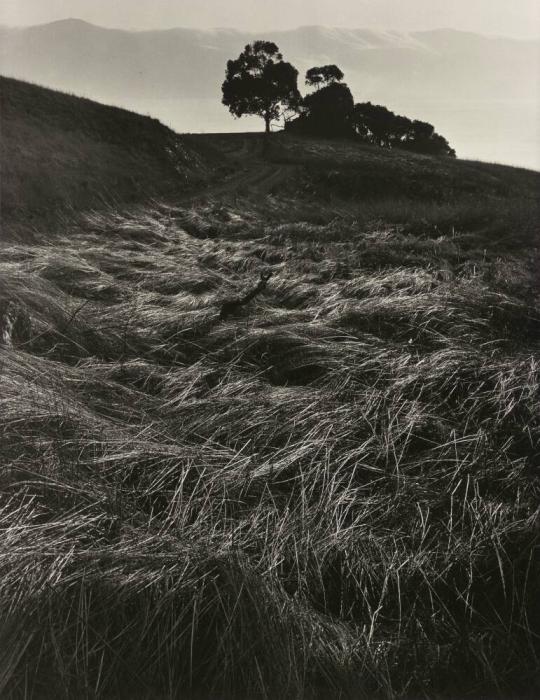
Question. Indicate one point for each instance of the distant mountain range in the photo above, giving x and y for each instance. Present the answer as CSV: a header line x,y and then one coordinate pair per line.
x,y
406,71
188,63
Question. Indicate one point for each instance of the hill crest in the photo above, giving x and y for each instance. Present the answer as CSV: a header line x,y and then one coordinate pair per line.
x,y
61,152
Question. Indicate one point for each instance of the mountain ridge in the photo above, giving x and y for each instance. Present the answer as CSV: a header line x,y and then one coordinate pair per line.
x,y
73,53
75,21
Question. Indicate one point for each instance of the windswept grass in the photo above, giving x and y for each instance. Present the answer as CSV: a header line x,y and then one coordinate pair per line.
x,y
333,493
330,493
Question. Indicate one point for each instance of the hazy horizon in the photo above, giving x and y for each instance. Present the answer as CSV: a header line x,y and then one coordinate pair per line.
x,y
520,19
270,30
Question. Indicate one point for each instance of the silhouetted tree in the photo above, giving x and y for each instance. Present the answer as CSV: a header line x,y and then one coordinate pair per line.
x,y
374,123
327,112
401,130
377,124
424,139
320,76
260,82
292,108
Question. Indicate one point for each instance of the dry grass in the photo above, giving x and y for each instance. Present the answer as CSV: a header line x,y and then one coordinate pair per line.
x,y
332,494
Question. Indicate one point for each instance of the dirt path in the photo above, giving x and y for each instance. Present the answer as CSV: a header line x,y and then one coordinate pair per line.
x,y
253,174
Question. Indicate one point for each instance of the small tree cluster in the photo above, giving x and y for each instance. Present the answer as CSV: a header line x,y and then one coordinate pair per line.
x,y
260,82
331,111
380,126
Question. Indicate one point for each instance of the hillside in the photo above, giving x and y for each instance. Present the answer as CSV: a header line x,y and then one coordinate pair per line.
x,y
474,89
61,153
274,437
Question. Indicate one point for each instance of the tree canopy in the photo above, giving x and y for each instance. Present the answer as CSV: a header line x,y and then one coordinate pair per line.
x,y
260,82
328,110
319,76
380,126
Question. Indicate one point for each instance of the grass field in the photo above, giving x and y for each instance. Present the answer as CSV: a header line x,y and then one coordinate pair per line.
x,y
330,492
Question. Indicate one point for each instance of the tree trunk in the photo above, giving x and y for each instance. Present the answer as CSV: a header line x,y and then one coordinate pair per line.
x,y
267,123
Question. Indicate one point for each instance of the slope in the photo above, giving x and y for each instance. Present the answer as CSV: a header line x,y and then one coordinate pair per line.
x,y
62,153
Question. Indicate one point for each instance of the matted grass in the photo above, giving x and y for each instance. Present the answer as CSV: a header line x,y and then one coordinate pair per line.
x,y
333,493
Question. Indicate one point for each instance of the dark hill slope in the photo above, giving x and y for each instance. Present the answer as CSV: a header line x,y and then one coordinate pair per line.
x,y
352,169
64,152
499,204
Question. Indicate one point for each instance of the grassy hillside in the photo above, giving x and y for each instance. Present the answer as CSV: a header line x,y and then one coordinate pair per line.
x,y
62,154
328,492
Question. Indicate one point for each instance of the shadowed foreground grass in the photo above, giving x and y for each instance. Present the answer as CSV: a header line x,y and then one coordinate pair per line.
x,y
331,494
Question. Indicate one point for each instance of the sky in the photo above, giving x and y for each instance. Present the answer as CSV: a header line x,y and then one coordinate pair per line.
x,y
514,18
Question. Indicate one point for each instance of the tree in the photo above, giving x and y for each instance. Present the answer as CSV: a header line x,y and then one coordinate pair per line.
x,y
424,139
401,130
260,82
329,110
422,131
375,123
378,125
323,75
292,109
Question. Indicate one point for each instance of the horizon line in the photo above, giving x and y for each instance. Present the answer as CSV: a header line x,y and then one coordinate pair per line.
x,y
373,28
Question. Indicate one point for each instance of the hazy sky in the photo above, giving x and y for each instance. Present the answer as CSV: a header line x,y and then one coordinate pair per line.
x,y
517,18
